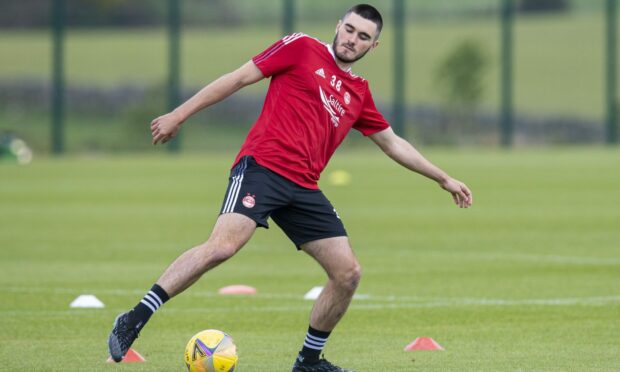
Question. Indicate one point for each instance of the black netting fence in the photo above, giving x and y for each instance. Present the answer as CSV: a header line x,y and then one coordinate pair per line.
x,y
116,69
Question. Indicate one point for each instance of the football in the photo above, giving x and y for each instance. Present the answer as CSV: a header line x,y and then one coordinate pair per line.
x,y
211,351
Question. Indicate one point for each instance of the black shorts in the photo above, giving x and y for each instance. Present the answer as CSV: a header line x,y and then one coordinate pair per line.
x,y
303,214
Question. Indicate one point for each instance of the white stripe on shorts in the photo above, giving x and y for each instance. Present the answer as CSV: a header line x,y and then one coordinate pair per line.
x,y
233,193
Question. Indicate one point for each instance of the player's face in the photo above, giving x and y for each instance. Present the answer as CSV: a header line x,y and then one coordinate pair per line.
x,y
355,36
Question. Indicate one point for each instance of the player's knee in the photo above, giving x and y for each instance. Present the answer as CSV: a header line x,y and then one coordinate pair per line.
x,y
350,277
218,251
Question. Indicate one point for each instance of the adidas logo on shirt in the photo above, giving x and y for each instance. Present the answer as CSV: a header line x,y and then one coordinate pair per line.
x,y
320,72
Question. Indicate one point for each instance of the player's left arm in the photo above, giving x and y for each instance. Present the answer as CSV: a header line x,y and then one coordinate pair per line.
x,y
406,155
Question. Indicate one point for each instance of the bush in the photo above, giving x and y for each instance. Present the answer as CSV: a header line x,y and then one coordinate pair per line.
x,y
459,77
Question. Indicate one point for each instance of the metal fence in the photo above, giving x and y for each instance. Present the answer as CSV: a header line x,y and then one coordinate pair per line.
x,y
89,81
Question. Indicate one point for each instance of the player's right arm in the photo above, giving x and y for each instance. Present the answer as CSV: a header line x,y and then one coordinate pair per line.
x,y
165,127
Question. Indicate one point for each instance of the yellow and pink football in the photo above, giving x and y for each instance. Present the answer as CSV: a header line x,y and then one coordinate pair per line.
x,y
211,351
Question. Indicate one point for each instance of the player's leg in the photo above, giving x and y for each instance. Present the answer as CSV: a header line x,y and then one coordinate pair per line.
x,y
312,223
343,275
239,217
343,272
231,232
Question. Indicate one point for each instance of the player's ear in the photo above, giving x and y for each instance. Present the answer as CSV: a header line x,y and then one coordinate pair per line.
x,y
375,44
338,25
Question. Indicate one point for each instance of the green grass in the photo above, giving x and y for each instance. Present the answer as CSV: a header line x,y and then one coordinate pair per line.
x,y
559,60
525,280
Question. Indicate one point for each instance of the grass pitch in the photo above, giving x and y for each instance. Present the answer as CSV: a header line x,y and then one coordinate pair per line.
x,y
528,279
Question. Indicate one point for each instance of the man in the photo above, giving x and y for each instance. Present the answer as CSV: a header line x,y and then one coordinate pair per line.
x,y
313,101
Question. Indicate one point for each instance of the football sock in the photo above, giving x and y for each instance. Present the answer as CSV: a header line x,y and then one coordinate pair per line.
x,y
313,345
148,305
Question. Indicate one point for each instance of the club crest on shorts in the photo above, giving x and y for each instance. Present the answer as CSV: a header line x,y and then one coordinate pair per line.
x,y
249,201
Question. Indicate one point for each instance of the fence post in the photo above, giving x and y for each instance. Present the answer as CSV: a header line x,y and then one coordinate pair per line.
x,y
288,17
398,109
507,127
58,78
611,136
174,89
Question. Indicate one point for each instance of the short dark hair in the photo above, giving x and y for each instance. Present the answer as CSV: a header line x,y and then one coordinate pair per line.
x,y
369,12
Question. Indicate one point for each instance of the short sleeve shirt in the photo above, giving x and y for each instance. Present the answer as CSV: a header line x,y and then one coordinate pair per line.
x,y
311,105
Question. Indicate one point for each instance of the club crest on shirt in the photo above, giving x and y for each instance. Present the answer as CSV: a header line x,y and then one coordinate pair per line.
x,y
249,201
347,98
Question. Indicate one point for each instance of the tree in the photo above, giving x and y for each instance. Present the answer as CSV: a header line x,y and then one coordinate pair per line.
x,y
459,79
460,75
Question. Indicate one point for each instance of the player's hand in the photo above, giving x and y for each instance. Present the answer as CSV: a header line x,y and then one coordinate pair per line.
x,y
460,193
165,127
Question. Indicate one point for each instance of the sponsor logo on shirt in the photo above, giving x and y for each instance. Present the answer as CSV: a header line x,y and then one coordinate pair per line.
x,y
333,107
320,72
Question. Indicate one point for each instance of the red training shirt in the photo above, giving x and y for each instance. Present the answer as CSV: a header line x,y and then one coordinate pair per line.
x,y
310,107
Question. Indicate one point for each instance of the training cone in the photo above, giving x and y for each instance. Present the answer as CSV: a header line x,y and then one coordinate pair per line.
x,y
237,289
87,301
423,343
313,294
132,356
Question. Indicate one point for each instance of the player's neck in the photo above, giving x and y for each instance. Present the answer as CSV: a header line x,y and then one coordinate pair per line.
x,y
344,66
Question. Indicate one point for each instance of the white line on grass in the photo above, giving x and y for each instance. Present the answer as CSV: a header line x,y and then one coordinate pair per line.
x,y
572,260
542,258
371,303
583,301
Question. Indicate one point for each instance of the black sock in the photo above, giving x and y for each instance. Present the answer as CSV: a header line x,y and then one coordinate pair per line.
x,y
148,305
313,345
